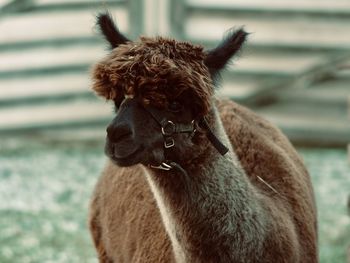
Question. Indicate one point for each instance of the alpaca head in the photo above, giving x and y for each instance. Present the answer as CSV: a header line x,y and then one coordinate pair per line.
x,y
161,89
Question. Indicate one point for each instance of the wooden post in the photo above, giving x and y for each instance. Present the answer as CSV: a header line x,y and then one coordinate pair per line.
x,y
136,18
153,17
348,248
349,121
178,18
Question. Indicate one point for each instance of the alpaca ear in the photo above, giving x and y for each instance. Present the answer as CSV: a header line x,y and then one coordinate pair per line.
x,y
110,30
217,58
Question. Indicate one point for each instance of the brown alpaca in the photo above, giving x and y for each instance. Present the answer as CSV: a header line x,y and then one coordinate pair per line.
x,y
171,192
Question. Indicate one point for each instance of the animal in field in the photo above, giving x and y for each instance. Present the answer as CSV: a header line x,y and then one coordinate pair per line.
x,y
191,177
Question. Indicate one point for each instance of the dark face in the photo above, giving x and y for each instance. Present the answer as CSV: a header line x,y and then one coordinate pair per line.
x,y
134,136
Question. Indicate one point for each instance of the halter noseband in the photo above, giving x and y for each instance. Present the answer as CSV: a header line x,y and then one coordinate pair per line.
x,y
169,128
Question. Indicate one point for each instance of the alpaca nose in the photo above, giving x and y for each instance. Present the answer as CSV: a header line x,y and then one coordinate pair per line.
x,y
116,133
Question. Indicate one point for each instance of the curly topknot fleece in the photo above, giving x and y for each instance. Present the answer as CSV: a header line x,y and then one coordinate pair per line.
x,y
156,69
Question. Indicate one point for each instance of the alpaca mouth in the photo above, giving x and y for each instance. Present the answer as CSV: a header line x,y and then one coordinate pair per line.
x,y
123,152
127,159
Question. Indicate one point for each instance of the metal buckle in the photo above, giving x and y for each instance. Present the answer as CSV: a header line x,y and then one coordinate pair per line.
x,y
169,125
163,166
194,129
168,142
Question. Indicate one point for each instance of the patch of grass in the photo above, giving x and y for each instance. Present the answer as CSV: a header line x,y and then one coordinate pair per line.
x,y
44,195
45,190
330,172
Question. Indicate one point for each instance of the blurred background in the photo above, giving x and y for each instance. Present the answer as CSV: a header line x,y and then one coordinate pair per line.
x,y
295,71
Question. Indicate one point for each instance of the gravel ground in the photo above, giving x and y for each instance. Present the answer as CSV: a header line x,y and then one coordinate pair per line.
x,y
45,190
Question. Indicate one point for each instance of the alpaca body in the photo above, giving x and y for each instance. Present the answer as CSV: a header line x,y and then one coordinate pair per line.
x,y
221,212
234,189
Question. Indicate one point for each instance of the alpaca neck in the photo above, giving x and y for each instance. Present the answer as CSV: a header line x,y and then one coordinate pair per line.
x,y
212,214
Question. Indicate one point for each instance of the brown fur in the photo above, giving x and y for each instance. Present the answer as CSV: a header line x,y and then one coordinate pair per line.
x,y
129,224
264,151
124,217
157,69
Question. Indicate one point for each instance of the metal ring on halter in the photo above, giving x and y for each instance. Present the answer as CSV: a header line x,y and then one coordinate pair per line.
x,y
163,166
193,123
169,128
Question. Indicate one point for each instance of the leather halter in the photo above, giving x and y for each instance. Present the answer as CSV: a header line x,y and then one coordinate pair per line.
x,y
169,128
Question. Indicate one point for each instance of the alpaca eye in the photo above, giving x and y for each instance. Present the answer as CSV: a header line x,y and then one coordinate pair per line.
x,y
175,106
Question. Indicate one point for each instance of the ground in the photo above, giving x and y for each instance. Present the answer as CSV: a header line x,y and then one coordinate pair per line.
x,y
45,190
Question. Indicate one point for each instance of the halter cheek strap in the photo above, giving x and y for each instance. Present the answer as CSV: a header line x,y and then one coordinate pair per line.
x,y
220,147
